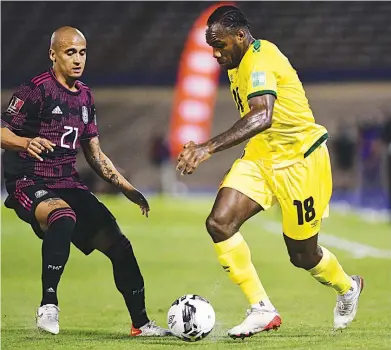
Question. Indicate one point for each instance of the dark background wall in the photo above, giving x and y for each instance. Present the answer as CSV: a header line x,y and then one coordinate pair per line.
x,y
141,42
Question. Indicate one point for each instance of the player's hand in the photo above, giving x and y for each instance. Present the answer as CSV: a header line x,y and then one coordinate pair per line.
x,y
37,145
144,206
138,198
191,157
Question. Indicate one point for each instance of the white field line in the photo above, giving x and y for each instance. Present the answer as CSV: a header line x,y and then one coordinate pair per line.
x,y
357,250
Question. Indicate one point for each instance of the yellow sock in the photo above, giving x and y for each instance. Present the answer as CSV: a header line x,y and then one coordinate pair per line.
x,y
235,257
330,273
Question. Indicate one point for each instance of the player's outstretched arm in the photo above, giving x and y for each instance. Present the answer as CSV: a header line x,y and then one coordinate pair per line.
x,y
103,166
33,146
257,120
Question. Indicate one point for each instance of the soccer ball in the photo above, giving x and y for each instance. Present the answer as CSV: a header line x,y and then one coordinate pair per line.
x,y
191,317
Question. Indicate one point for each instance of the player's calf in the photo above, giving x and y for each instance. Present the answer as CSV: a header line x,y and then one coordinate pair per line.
x,y
304,254
325,268
59,222
306,260
330,273
231,209
55,251
319,262
128,279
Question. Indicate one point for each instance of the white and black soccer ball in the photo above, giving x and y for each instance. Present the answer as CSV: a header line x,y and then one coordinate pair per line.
x,y
191,317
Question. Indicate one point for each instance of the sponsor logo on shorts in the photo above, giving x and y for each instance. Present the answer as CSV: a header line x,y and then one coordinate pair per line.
x,y
314,223
40,193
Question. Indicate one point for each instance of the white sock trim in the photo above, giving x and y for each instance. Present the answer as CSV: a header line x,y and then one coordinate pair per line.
x,y
353,289
263,304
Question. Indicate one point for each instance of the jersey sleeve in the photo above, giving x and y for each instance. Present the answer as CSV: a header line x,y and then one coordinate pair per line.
x,y
262,77
91,129
25,102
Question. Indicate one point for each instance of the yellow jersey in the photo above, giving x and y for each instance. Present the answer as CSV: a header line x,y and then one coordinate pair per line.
x,y
294,133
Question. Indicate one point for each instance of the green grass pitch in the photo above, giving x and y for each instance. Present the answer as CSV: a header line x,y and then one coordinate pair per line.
x,y
177,257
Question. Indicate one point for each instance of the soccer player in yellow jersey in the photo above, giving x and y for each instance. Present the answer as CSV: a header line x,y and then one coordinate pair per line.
x,y
285,160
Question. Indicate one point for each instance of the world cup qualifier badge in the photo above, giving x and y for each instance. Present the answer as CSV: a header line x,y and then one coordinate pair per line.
x,y
258,79
15,105
84,114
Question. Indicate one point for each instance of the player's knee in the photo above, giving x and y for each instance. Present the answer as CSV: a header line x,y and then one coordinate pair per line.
x,y
127,273
305,260
62,220
296,260
114,244
220,227
47,207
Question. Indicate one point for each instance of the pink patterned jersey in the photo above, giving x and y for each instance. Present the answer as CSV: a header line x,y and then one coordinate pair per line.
x,y
45,108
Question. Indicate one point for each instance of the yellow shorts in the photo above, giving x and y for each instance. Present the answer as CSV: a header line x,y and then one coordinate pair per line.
x,y
303,190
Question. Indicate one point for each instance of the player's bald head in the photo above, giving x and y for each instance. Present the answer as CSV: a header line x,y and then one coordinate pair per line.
x,y
65,36
68,52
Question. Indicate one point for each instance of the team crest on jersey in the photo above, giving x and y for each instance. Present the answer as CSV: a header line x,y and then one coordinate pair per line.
x,y
40,193
84,114
256,46
258,79
15,105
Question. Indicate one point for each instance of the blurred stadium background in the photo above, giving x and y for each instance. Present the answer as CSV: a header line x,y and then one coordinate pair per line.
x,y
342,52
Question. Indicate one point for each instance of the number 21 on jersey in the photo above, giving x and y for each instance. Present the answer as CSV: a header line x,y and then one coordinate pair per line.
x,y
69,130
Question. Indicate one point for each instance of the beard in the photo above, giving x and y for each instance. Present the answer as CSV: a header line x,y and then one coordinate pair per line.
x,y
236,56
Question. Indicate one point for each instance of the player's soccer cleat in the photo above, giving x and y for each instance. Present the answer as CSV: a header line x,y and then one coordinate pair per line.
x,y
257,320
47,318
346,308
149,330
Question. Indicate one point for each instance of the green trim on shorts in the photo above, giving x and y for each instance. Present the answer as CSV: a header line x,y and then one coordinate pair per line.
x,y
316,144
261,93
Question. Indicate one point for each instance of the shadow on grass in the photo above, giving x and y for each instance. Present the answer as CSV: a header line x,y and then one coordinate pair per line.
x,y
20,337
69,335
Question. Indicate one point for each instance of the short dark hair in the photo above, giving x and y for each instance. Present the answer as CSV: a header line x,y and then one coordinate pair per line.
x,y
230,17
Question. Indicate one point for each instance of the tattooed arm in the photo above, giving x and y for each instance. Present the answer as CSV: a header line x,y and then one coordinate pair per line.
x,y
258,119
103,166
